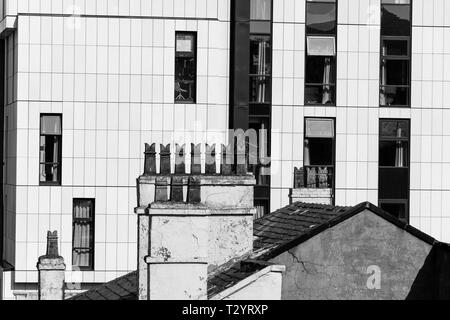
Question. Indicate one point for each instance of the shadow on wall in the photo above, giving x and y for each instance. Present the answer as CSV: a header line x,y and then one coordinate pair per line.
x,y
433,280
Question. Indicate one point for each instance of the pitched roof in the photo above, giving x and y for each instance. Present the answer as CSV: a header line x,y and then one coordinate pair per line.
x,y
123,288
290,226
291,222
274,234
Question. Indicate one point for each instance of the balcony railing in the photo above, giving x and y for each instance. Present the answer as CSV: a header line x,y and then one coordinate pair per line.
x,y
315,177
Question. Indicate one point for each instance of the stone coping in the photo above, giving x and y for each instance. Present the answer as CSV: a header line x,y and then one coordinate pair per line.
x,y
187,260
233,211
170,208
190,209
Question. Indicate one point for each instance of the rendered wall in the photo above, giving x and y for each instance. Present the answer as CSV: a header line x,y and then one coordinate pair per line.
x,y
339,263
267,287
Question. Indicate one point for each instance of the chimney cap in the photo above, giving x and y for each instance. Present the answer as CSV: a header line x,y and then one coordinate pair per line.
x,y
52,245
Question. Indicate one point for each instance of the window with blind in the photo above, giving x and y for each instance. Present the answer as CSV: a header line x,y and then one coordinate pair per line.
x,y
319,153
320,65
83,234
395,65
50,151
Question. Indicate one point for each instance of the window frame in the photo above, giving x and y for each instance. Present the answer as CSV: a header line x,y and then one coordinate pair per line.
x,y
51,183
262,111
408,167
91,266
334,139
195,53
268,77
393,57
332,85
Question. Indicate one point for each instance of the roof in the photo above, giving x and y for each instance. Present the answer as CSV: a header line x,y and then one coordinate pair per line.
x,y
123,288
224,277
274,234
291,222
290,226
231,273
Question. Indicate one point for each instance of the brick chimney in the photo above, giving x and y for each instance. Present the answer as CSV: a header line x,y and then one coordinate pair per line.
x,y
191,219
51,269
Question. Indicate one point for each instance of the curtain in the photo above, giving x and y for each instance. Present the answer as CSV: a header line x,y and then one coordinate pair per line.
x,y
55,159
261,87
306,156
399,151
383,76
42,159
260,209
82,235
260,10
326,96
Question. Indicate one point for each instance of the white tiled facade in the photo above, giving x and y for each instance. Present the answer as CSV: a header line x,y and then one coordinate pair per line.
x,y
108,67
109,70
357,112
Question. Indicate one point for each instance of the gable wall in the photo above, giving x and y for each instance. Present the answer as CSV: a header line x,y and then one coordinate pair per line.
x,y
339,263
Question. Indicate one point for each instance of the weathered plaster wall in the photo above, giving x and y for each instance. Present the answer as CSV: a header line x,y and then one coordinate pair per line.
x,y
340,262
229,237
267,287
230,201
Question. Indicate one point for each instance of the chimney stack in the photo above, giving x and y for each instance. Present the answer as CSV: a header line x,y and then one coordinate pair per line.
x,y
193,216
51,269
173,251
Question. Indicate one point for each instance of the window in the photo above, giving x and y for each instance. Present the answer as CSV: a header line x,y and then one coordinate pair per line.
x,y
83,234
319,153
260,97
260,68
395,65
394,167
50,149
185,67
320,66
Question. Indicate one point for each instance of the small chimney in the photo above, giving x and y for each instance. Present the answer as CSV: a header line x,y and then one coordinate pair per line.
x,y
51,269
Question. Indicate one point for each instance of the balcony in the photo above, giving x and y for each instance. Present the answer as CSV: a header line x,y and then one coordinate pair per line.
x,y
313,184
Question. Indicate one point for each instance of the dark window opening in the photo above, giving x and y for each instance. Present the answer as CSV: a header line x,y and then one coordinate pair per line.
x,y
395,18
395,47
320,80
320,60
321,17
260,99
50,149
260,167
394,167
319,153
185,67
83,234
395,64
398,210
